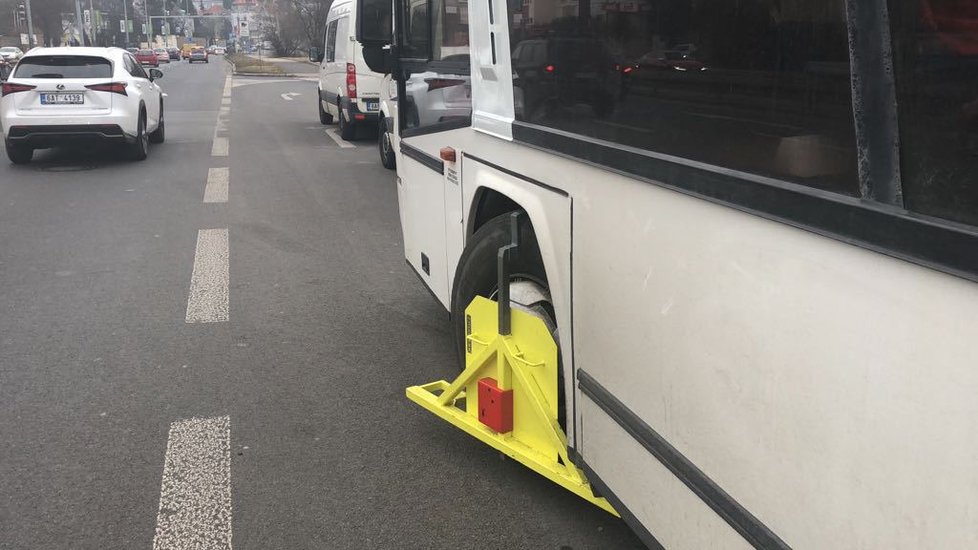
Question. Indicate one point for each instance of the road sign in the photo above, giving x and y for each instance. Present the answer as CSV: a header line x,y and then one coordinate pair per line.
x,y
122,25
88,18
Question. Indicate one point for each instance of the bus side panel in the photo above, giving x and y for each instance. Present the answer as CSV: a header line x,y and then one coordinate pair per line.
x,y
829,390
550,213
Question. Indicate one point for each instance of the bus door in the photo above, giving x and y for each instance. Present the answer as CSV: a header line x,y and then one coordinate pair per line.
x,y
434,96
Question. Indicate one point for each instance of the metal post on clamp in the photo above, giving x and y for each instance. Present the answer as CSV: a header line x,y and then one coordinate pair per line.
x,y
504,256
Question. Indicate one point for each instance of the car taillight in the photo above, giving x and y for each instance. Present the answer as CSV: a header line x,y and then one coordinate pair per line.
x,y
113,87
438,83
351,80
10,88
549,68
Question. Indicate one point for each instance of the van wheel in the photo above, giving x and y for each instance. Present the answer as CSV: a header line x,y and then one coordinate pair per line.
x,y
348,130
324,117
476,276
386,147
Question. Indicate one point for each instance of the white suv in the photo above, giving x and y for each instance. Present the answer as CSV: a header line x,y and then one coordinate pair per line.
x,y
59,96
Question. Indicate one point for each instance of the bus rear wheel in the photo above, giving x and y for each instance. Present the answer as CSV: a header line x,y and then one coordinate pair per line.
x,y
476,276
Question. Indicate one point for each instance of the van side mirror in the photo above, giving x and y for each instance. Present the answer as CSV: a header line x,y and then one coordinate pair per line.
x,y
315,55
377,57
374,22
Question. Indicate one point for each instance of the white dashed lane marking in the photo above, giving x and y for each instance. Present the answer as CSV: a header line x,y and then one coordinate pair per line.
x,y
208,301
217,185
220,147
195,495
339,141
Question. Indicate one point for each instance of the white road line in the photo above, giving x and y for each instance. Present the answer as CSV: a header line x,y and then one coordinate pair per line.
x,y
220,147
339,141
208,301
217,185
227,87
195,496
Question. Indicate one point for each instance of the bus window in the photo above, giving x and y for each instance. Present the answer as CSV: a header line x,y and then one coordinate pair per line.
x,y
935,49
757,86
440,95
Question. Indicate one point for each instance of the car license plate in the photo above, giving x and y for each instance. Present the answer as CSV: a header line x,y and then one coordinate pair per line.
x,y
62,99
373,106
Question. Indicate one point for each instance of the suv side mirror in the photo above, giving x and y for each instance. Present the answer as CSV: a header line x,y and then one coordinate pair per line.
x,y
155,74
315,55
374,22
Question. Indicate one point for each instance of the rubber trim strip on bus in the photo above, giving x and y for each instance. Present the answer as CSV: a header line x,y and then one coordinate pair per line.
x,y
749,527
601,488
931,242
425,159
508,172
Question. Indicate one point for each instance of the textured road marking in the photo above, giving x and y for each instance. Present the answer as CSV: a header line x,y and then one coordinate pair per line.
x,y
220,147
208,301
340,141
195,496
217,185
227,87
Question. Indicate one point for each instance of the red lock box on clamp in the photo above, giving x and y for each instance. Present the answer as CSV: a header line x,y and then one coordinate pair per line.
x,y
495,406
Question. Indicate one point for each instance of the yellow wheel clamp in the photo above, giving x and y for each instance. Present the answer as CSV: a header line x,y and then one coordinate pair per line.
x,y
507,395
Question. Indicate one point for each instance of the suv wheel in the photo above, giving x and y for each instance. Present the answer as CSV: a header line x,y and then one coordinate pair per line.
x,y
140,148
160,133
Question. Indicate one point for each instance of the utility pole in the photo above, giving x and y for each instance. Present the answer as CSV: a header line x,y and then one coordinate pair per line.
x,y
125,20
91,22
78,23
30,25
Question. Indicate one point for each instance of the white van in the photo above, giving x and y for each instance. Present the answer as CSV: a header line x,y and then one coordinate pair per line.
x,y
348,91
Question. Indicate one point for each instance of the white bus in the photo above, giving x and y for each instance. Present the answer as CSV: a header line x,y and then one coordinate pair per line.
x,y
754,224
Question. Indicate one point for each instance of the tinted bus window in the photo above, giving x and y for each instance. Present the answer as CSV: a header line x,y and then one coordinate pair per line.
x,y
63,66
754,85
440,95
935,49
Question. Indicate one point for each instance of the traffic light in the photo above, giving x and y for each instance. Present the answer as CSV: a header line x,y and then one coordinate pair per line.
x,y
21,16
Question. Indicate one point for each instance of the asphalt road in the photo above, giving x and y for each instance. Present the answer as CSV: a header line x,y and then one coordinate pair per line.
x,y
162,356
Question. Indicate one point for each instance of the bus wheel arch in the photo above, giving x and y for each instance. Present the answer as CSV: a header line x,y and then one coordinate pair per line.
x,y
476,275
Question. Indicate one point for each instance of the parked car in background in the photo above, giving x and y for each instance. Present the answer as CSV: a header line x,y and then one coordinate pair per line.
x,y
162,55
675,60
219,50
147,57
11,54
59,96
174,54
198,53
132,50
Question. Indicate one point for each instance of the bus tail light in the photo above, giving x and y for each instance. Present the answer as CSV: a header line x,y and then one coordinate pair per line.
x,y
113,87
351,80
9,88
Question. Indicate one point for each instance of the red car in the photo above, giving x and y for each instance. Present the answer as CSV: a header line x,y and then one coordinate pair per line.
x,y
147,57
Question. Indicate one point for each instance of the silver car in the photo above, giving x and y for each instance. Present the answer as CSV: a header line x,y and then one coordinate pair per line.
x,y
11,54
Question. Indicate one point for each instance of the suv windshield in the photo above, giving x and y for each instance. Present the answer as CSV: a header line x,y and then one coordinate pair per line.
x,y
63,66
